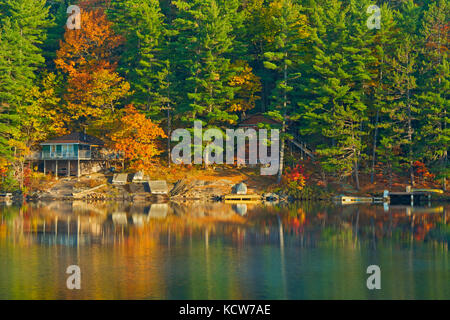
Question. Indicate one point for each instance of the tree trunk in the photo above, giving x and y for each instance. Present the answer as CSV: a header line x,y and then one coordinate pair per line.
x,y
169,129
374,149
411,164
280,170
390,176
377,119
283,129
357,175
444,187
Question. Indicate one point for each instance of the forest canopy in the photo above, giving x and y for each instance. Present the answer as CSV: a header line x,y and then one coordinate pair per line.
x,y
372,100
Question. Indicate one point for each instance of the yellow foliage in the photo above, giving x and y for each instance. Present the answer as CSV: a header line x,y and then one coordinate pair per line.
x,y
249,85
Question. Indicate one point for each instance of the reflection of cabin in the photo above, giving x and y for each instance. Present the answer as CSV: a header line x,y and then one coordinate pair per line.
x,y
74,154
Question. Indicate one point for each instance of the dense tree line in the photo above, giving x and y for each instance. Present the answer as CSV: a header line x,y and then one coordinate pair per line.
x,y
365,99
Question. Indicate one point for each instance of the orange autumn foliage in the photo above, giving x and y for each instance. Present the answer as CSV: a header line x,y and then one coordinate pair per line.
x,y
88,57
3,167
137,139
91,47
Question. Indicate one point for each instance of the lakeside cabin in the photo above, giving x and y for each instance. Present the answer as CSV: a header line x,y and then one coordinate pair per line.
x,y
74,154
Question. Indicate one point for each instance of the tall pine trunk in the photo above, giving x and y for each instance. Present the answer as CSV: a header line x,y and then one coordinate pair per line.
x,y
169,129
410,152
374,149
283,128
375,134
357,175
280,170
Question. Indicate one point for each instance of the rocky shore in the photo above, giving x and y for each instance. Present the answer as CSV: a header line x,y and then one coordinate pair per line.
x,y
100,188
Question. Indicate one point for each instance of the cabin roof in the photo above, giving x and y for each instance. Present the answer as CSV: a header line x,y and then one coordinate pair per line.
x,y
76,138
255,119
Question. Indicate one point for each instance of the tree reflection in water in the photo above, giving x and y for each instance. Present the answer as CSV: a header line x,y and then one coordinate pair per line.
x,y
215,250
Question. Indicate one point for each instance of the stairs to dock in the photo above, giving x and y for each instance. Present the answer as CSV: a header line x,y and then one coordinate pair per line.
x,y
302,146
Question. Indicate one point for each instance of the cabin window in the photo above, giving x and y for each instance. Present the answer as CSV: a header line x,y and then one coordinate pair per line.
x,y
70,150
67,150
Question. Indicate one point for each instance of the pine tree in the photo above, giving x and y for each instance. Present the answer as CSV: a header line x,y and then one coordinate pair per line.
x,y
143,61
290,24
385,42
202,40
18,61
259,33
58,11
23,31
337,108
434,84
32,18
402,106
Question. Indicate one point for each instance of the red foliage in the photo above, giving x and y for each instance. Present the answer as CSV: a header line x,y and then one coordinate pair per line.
x,y
296,173
422,171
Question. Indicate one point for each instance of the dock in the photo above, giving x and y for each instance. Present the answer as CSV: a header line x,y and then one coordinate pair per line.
x,y
411,196
242,198
350,199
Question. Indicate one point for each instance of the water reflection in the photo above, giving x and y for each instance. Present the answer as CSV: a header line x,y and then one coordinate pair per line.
x,y
220,251
240,209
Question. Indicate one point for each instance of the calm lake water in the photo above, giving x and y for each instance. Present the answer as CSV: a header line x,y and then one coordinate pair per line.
x,y
218,251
